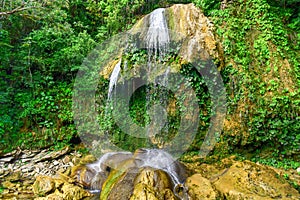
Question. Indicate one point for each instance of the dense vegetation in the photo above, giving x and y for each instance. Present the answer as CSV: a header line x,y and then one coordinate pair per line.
x,y
43,44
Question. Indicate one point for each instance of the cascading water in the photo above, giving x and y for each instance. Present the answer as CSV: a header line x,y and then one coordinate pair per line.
x,y
114,78
157,41
157,38
153,158
160,159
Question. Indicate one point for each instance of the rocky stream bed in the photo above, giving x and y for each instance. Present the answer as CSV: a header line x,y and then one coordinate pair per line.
x,y
67,174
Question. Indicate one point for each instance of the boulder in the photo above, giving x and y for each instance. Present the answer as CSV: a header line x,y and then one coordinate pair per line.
x,y
248,180
43,185
71,192
138,183
152,184
200,188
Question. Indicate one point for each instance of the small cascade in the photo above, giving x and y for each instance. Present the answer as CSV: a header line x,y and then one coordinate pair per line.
x,y
114,78
154,158
105,161
160,159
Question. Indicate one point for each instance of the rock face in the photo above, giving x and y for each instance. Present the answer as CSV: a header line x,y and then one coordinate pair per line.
x,y
152,184
185,21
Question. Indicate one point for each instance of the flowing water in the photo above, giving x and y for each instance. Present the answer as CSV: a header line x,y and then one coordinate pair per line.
x,y
153,158
114,78
157,40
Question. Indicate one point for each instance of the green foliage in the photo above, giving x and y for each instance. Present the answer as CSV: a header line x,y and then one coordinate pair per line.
x,y
207,5
258,39
285,163
42,48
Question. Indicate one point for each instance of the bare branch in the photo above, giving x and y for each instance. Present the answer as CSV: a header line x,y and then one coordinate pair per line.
x,y
19,9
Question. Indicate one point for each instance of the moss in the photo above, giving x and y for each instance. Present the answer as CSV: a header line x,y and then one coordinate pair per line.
x,y
112,179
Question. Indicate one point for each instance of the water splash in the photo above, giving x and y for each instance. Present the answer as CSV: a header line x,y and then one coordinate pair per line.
x,y
106,161
159,159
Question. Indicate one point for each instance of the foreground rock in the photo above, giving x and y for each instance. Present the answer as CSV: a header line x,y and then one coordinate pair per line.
x,y
19,169
58,187
129,178
239,180
142,184
247,180
200,188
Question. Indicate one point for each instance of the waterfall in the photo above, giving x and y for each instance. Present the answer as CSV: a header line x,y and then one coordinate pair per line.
x,y
114,78
157,38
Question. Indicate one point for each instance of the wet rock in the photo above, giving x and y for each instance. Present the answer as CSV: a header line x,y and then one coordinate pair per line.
x,y
200,188
93,175
43,185
186,21
134,183
247,180
143,192
153,184
87,177
123,186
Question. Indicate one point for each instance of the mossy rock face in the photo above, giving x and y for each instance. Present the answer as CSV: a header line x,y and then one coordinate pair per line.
x,y
123,187
120,177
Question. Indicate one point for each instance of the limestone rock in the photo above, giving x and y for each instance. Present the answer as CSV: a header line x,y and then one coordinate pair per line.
x,y
152,184
200,188
187,23
247,180
8,184
54,197
43,185
71,192
133,183
123,187
143,192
